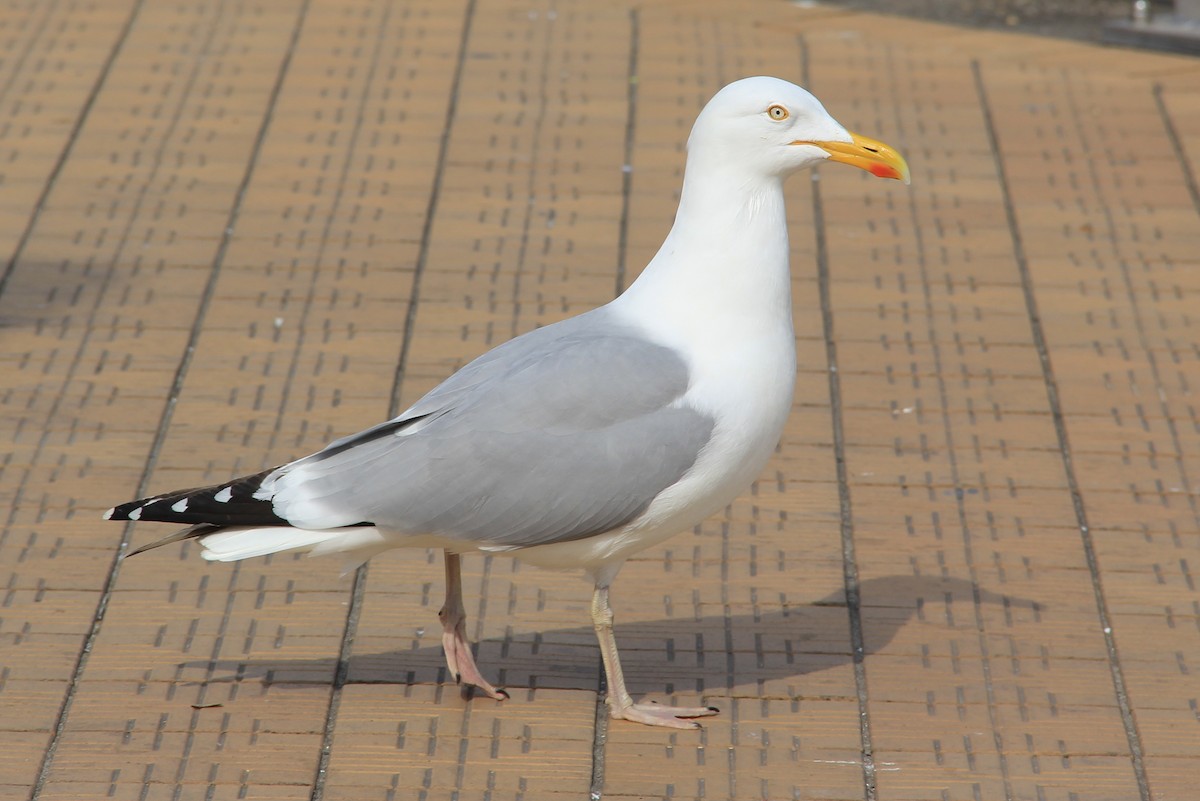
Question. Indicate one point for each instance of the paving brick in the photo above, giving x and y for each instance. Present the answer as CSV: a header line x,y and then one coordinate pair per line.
x,y
211,261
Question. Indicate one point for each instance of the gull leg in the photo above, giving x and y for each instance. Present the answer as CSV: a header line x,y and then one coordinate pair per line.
x,y
453,615
620,704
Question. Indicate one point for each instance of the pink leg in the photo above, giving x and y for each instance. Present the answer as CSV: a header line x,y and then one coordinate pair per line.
x,y
620,705
459,658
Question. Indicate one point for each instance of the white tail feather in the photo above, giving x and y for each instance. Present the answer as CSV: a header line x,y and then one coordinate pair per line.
x,y
245,542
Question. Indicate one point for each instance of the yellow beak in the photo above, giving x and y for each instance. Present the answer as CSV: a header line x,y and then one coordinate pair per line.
x,y
867,154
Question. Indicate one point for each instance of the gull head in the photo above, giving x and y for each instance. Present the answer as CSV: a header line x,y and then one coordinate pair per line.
x,y
773,128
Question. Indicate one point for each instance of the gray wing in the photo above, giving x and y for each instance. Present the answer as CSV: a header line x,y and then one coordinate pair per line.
x,y
565,432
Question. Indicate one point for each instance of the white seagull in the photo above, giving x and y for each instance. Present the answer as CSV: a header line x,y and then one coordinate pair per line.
x,y
586,441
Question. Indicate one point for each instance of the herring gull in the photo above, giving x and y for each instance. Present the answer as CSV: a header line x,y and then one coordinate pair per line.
x,y
581,443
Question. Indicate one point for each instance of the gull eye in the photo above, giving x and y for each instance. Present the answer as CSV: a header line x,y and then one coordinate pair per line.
x,y
777,112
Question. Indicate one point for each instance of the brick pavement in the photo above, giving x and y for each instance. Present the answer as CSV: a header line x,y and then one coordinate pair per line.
x,y
232,231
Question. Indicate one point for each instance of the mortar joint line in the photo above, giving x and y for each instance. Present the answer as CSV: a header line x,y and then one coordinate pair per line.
x,y
69,146
631,98
985,660
335,207
602,718
435,194
1129,724
358,586
1135,304
850,576
358,593
535,146
181,371
1189,175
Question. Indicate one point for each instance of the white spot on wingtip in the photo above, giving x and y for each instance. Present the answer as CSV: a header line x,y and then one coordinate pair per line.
x,y
180,506
224,496
136,514
108,515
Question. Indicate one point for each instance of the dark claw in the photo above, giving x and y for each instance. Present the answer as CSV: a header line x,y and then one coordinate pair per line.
x,y
503,692
713,709
458,678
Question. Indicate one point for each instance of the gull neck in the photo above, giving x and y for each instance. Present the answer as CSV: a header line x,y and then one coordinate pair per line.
x,y
726,255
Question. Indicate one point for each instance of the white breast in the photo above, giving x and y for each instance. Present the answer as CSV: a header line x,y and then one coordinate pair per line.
x,y
745,384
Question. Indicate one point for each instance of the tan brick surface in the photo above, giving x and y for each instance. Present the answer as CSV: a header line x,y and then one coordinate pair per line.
x,y
232,231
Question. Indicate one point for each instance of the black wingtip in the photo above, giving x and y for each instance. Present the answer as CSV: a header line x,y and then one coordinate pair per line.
x,y
130,510
231,503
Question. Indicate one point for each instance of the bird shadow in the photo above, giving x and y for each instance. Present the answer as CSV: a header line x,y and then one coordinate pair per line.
x,y
784,650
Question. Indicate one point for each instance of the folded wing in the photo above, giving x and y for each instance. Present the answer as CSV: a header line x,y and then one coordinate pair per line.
x,y
566,432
